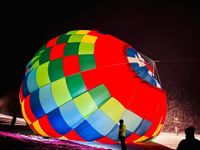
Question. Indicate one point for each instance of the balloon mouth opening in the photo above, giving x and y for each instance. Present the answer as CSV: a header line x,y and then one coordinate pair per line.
x,y
141,68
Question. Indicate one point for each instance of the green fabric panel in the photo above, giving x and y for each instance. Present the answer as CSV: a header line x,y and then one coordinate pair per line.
x,y
87,62
72,32
42,77
35,58
35,62
86,48
71,49
85,104
56,69
75,38
100,94
60,91
63,38
45,56
39,53
76,85
35,65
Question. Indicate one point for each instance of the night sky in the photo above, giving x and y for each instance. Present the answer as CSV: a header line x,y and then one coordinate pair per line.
x,y
165,31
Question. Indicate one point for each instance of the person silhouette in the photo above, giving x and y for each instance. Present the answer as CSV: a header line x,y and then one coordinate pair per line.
x,y
176,130
13,121
190,142
122,134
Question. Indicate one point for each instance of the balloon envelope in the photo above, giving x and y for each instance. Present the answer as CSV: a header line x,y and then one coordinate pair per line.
x,y
81,83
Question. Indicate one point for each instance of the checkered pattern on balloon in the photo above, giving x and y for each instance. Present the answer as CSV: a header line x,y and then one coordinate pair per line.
x,y
81,83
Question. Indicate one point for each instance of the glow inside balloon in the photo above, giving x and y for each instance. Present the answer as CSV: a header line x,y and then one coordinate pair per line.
x,y
81,83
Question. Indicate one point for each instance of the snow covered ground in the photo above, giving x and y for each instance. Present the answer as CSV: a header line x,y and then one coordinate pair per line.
x,y
170,140
165,141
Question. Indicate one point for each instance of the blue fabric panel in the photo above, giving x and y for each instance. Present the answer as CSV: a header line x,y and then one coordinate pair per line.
x,y
131,52
144,126
70,114
143,73
57,122
135,66
31,81
87,132
24,87
46,99
35,105
27,72
150,79
141,70
131,120
29,64
114,133
101,122
153,82
128,133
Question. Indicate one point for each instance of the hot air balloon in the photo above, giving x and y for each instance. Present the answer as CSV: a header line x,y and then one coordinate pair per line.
x,y
81,83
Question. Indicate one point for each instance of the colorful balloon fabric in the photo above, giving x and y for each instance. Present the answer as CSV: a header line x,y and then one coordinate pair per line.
x,y
81,83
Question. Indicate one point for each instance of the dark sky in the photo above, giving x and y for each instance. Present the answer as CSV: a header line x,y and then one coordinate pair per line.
x,y
166,30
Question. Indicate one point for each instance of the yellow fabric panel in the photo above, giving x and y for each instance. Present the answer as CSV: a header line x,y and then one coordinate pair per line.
x,y
42,77
63,138
113,108
36,62
24,113
83,32
38,128
157,130
142,138
60,91
35,65
85,104
34,58
89,39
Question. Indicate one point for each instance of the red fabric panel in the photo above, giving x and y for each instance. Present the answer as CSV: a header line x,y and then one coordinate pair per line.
x,y
52,42
46,126
28,111
155,115
132,138
149,67
110,50
72,135
21,97
106,140
114,71
71,65
57,51
94,33
120,82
